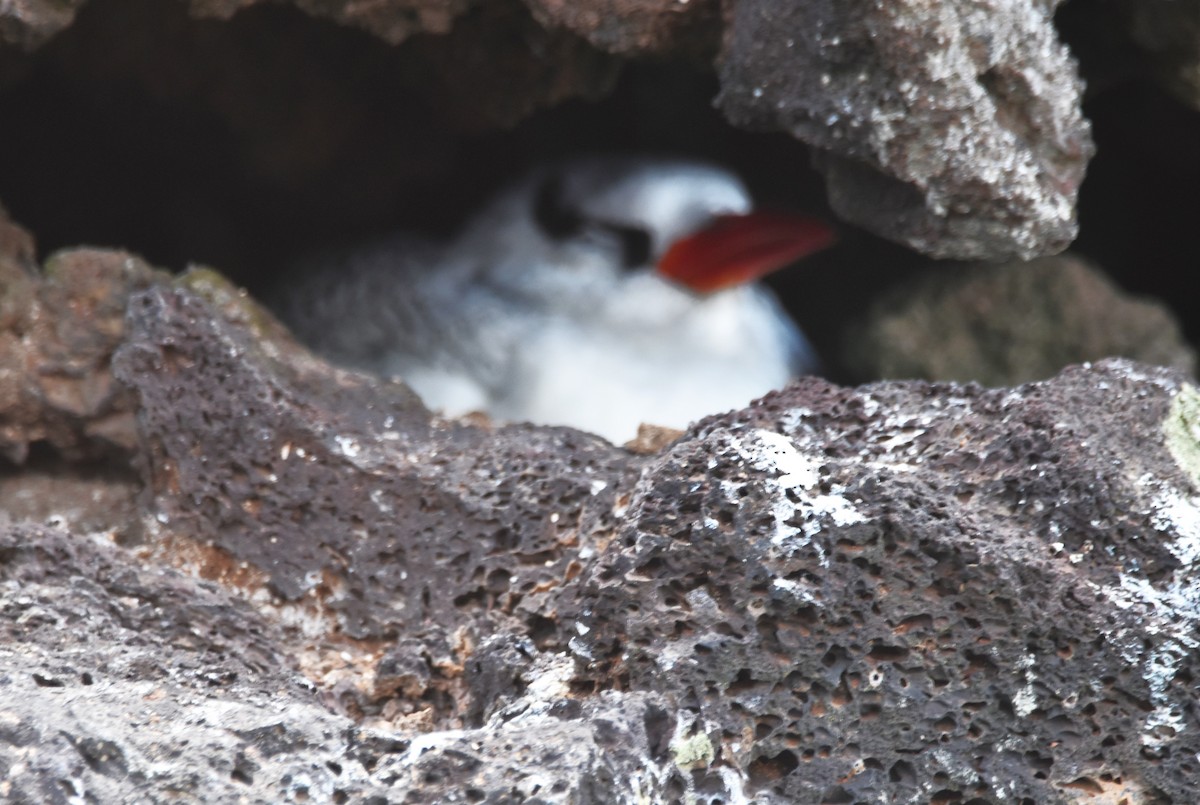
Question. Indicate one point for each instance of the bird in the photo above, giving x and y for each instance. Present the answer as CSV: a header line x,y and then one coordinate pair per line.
x,y
597,292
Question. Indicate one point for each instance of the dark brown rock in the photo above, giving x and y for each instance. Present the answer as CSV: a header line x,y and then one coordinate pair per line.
x,y
131,683
254,449
954,128
902,588
912,592
1002,325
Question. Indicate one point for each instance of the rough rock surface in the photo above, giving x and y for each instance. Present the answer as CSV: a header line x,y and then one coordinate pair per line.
x,y
1001,325
109,669
360,513
126,683
915,593
57,337
952,127
903,591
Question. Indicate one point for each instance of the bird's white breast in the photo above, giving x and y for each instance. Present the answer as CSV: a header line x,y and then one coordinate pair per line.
x,y
679,362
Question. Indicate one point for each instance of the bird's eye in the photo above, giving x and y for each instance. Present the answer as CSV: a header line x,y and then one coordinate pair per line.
x,y
560,219
551,211
635,244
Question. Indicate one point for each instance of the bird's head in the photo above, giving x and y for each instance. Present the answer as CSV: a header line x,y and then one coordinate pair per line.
x,y
598,222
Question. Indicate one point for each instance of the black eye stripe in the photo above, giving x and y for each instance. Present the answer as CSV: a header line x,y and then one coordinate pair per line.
x,y
635,244
559,219
552,213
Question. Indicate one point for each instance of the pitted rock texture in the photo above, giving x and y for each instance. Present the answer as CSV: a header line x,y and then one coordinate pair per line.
x,y
121,683
355,505
954,128
905,592
922,593
107,669
1002,325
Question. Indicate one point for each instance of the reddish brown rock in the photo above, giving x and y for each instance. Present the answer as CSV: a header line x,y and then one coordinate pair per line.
x,y
362,463
57,336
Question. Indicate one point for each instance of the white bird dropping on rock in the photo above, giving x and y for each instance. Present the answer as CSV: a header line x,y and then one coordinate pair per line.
x,y
597,293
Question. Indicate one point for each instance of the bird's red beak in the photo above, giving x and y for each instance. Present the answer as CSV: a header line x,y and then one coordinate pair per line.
x,y
735,249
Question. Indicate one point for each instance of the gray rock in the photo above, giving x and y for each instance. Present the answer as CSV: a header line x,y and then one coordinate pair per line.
x,y
1001,325
126,683
954,128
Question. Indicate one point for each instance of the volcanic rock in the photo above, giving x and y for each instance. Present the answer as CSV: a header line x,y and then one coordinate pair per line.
x,y
1002,325
954,128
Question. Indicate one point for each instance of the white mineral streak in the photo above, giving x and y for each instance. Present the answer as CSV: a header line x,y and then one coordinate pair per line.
x,y
794,476
1170,609
1025,700
347,446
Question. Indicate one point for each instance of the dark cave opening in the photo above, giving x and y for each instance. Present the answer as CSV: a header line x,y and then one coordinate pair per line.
x,y
247,144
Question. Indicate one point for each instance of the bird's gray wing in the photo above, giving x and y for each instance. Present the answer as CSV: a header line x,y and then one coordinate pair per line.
x,y
403,307
365,308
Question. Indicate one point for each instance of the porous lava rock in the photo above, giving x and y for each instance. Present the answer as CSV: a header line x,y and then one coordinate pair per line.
x,y
912,593
357,508
904,592
954,127
1002,325
124,682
